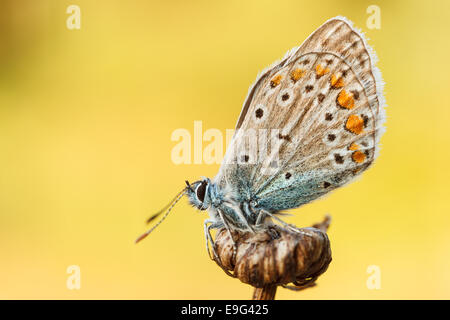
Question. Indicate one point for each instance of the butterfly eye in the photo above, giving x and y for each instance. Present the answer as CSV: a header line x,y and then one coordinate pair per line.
x,y
201,191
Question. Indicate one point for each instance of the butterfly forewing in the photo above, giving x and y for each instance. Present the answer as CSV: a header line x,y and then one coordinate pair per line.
x,y
317,118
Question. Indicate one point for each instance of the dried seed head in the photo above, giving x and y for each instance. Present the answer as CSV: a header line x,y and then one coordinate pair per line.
x,y
276,255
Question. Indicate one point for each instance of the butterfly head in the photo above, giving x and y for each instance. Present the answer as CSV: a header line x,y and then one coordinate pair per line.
x,y
198,194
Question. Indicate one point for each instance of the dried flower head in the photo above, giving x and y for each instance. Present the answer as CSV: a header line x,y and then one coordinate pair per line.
x,y
276,255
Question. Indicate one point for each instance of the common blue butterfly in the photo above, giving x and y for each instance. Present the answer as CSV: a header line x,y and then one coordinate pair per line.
x,y
321,108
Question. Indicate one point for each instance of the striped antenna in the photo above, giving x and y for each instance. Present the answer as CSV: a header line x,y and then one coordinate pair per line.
x,y
168,207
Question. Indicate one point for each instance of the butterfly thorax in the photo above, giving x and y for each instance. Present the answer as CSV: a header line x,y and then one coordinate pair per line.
x,y
222,206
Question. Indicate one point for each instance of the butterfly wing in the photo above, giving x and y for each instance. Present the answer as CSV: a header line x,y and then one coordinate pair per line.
x,y
310,123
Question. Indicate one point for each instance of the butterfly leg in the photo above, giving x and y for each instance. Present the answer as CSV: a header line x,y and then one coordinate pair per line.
x,y
286,225
227,226
241,217
260,218
208,237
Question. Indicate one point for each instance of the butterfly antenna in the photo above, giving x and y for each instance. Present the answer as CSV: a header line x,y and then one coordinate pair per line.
x,y
155,215
169,207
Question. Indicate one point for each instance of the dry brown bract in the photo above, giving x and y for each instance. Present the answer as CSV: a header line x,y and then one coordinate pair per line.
x,y
275,256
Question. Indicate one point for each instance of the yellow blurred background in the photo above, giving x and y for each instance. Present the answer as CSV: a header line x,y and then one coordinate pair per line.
x,y
86,118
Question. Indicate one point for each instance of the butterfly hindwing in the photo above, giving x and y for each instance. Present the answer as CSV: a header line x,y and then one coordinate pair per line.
x,y
316,120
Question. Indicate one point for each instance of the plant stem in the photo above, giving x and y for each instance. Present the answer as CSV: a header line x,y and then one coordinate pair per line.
x,y
265,293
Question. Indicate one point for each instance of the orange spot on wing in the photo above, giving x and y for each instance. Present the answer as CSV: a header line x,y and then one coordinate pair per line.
x,y
276,80
336,82
297,74
355,124
358,156
320,71
345,100
353,147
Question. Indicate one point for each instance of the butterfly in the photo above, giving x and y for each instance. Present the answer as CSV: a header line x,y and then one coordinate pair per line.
x,y
311,123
